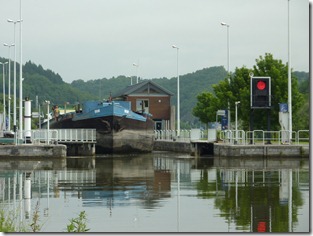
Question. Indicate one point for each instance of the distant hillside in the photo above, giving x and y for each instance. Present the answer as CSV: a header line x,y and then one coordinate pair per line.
x,y
303,81
48,85
301,75
45,84
101,88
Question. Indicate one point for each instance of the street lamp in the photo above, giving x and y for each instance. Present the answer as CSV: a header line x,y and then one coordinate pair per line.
x,y
9,86
236,126
14,88
228,73
137,65
178,96
21,76
3,84
289,80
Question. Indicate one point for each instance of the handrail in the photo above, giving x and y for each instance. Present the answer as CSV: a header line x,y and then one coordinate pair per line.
x,y
243,137
298,139
59,135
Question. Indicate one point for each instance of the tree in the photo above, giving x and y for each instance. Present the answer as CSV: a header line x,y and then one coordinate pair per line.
x,y
206,107
239,90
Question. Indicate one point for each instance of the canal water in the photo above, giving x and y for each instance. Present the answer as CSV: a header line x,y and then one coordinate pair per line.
x,y
158,192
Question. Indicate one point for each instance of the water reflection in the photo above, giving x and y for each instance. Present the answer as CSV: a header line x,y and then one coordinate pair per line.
x,y
160,192
259,195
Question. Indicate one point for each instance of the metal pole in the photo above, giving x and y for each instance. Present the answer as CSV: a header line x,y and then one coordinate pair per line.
x,y
14,88
289,79
9,92
48,121
3,84
178,99
178,96
9,86
236,121
228,72
4,103
21,77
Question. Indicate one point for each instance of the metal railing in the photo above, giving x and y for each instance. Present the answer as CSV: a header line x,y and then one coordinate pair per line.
x,y
59,135
172,135
240,136
303,136
270,137
76,135
233,136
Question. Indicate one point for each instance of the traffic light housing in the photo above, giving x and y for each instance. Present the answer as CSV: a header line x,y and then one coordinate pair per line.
x,y
260,90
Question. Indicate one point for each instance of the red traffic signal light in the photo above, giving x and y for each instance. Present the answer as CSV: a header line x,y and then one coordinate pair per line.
x,y
260,91
261,85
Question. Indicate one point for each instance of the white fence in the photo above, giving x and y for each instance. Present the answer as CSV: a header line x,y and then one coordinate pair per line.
x,y
59,135
239,136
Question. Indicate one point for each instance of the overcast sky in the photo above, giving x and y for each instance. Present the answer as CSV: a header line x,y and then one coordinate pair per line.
x,y
93,39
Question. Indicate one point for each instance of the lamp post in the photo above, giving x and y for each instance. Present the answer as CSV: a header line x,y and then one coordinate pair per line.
x,y
228,72
236,124
289,80
9,85
137,65
21,77
14,86
3,84
178,96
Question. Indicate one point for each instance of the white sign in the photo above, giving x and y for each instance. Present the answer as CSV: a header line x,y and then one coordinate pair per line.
x,y
35,114
220,113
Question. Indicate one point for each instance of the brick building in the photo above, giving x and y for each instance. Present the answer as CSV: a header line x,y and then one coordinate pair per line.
x,y
151,98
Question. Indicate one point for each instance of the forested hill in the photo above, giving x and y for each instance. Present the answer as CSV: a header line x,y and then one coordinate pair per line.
x,y
48,85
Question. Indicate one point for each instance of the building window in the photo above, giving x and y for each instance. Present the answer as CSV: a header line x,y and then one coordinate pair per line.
x,y
142,105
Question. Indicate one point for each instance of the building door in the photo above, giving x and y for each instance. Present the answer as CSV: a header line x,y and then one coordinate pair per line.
x,y
158,125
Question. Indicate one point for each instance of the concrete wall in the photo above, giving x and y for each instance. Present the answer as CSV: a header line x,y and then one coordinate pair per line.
x,y
261,150
55,151
172,146
32,163
83,149
227,150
